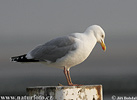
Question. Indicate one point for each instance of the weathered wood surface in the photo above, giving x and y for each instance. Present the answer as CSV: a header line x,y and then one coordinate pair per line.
x,y
86,92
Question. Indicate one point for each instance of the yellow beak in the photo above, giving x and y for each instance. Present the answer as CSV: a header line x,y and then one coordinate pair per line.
x,y
103,45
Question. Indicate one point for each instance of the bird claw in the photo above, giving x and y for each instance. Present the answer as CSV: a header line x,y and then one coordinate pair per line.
x,y
75,84
60,84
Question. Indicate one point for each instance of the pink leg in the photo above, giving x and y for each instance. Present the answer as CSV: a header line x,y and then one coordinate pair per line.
x,y
67,74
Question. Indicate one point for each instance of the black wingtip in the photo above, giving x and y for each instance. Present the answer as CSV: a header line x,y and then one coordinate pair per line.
x,y
22,58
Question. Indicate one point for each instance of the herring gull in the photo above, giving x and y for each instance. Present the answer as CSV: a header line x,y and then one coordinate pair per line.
x,y
66,51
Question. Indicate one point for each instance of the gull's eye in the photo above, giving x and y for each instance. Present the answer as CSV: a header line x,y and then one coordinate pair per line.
x,y
102,36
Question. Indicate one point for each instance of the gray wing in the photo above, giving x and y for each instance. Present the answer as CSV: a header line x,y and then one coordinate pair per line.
x,y
54,49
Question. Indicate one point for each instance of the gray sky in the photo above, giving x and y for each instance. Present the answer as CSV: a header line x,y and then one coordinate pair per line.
x,y
27,23
31,22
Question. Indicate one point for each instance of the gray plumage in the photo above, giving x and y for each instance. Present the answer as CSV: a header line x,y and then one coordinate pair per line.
x,y
54,49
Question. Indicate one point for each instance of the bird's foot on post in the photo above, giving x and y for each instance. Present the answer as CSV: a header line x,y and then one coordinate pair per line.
x,y
60,84
71,84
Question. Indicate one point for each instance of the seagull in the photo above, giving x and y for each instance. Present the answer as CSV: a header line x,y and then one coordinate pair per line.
x,y
66,51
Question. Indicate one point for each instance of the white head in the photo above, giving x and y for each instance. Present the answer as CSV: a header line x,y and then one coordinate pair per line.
x,y
98,33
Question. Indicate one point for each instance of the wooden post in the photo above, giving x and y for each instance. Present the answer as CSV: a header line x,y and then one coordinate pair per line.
x,y
85,92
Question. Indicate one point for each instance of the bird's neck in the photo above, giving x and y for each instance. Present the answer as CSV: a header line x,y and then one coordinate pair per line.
x,y
91,39
90,34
